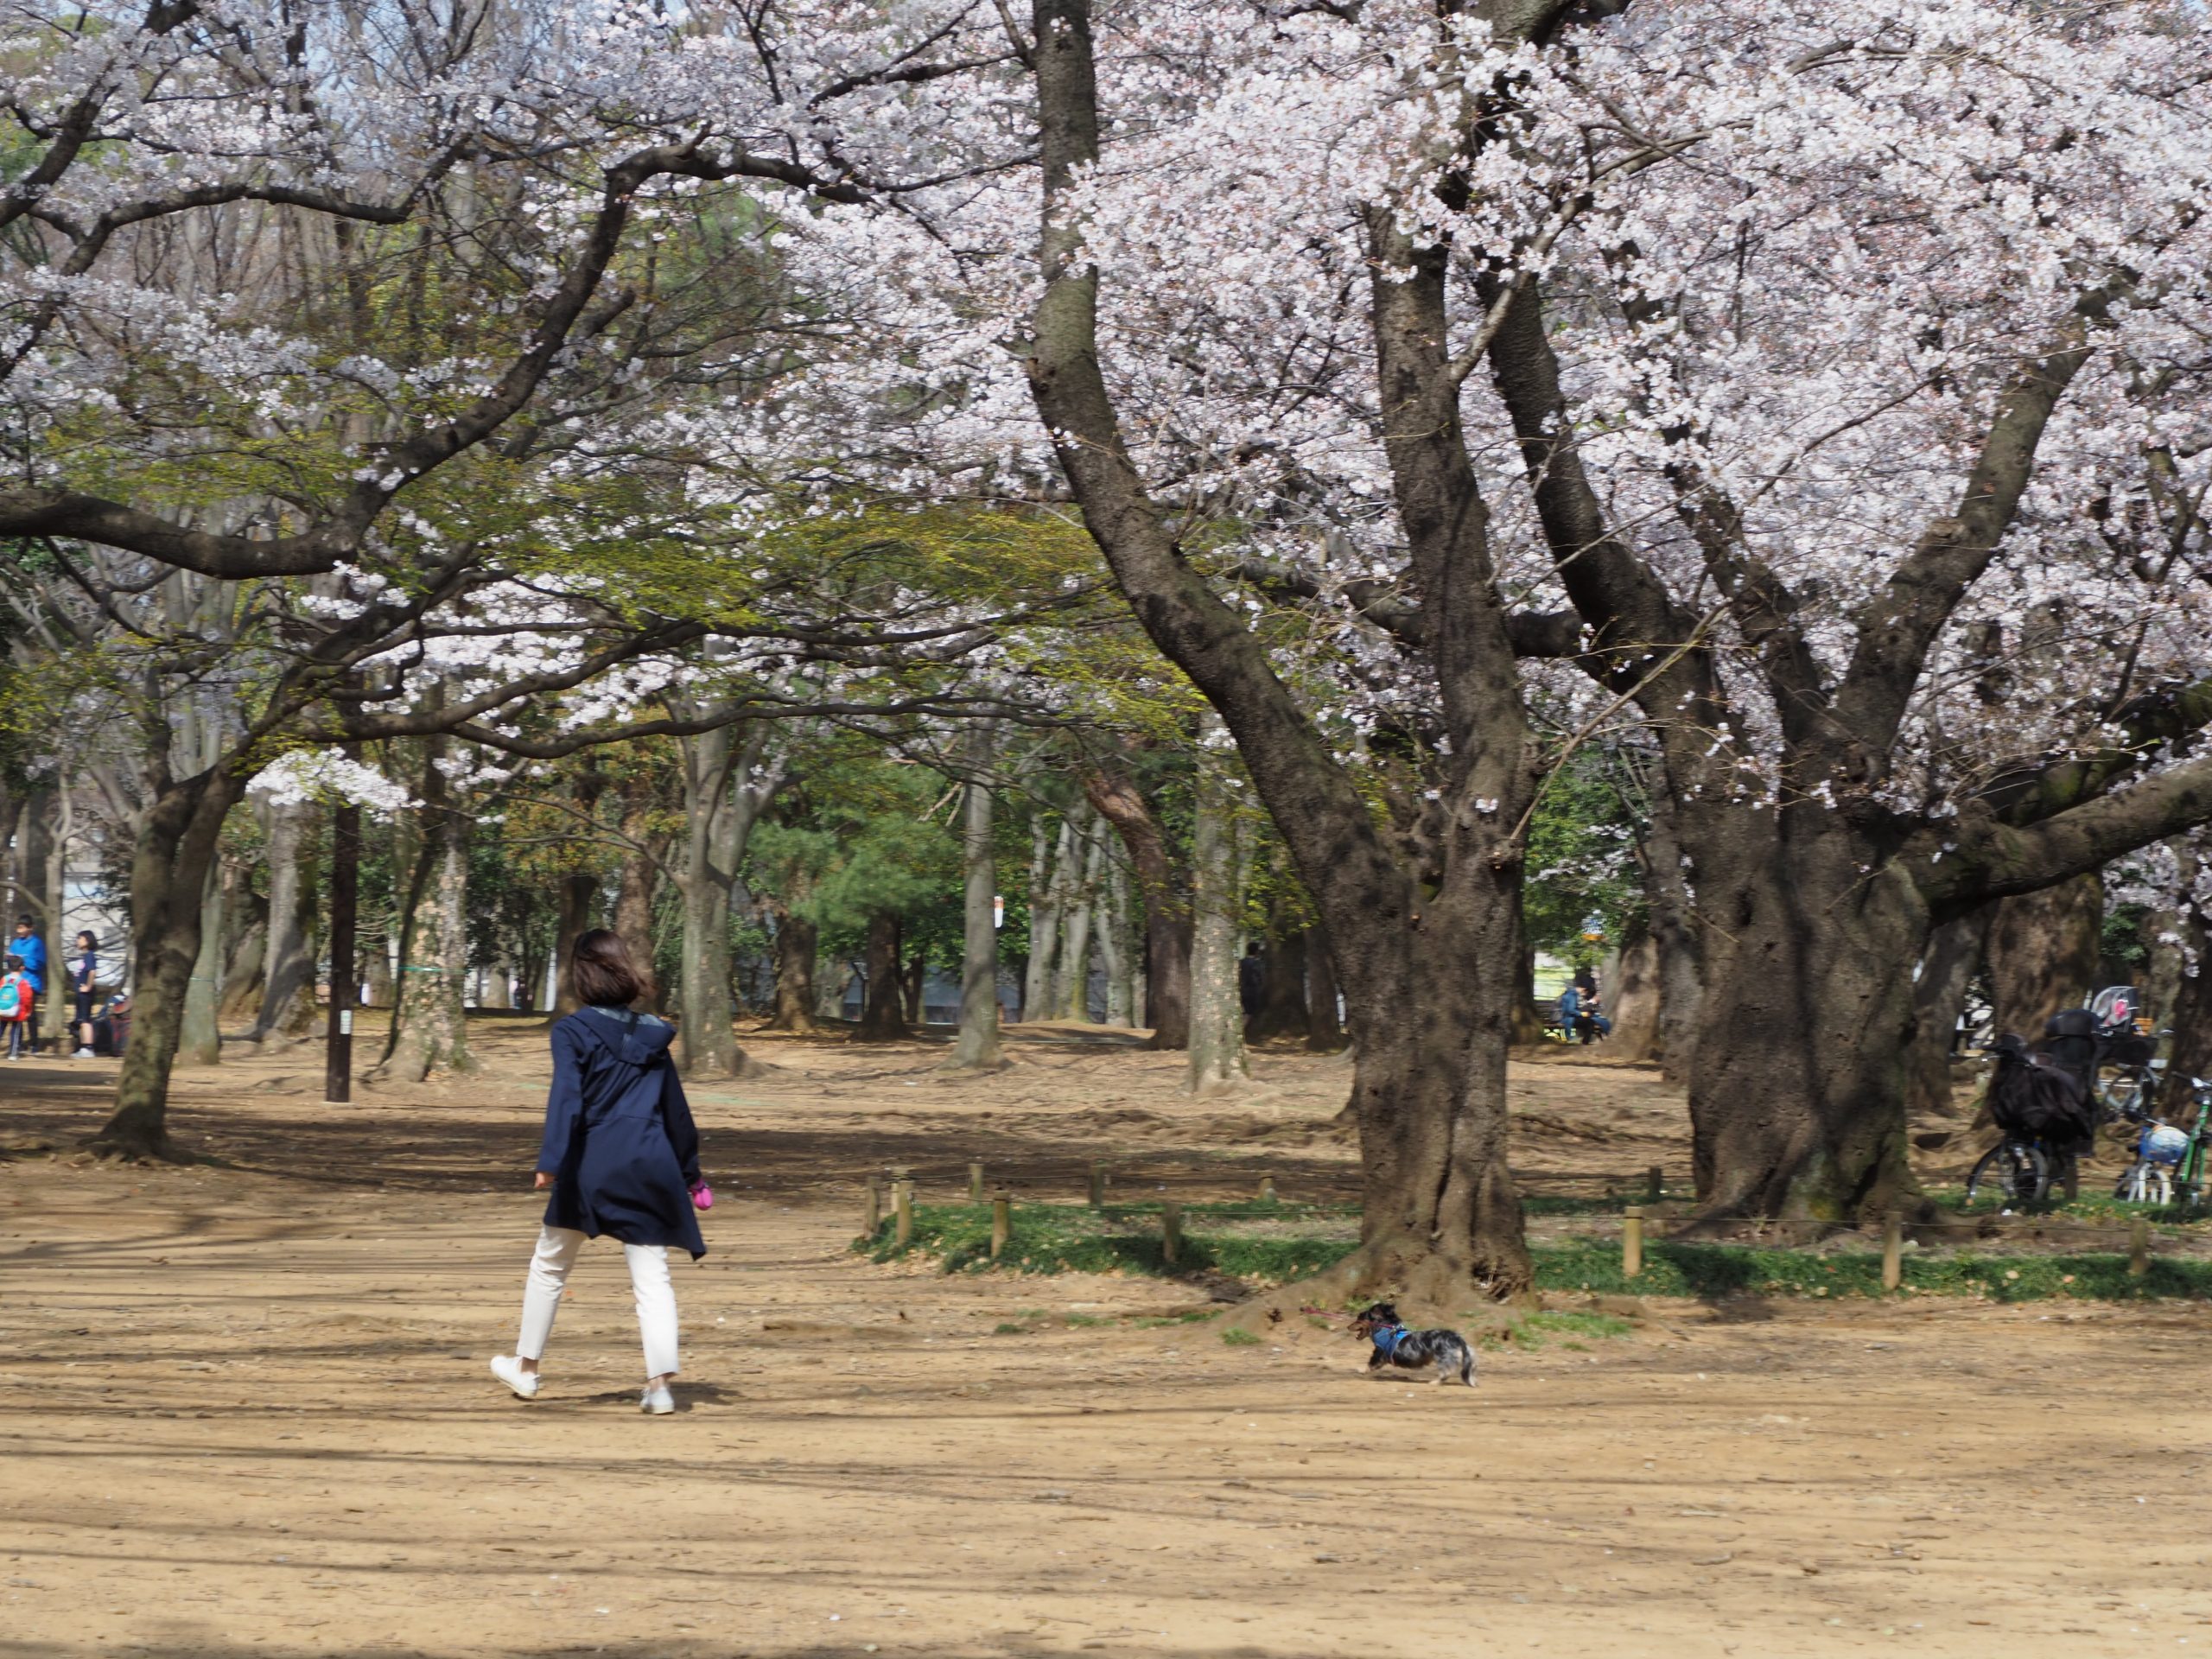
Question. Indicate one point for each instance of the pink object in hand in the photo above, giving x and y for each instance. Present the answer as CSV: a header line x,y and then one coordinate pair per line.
x,y
703,1196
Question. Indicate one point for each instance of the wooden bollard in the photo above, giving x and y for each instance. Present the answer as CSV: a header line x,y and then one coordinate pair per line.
x,y
1098,1186
902,1205
1001,1221
975,1183
1632,1241
1266,1189
1171,1232
1892,1250
2138,1248
872,1212
1654,1184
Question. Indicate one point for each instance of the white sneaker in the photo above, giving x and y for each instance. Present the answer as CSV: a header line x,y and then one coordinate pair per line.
x,y
84,1054
657,1402
509,1370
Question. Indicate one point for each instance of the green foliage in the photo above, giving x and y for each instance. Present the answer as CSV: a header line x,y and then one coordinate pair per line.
x,y
1580,863
1535,1329
1711,1270
1236,1338
1066,1238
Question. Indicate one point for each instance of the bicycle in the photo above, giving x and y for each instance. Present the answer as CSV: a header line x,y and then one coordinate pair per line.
x,y
2128,1070
2048,1117
2023,1172
2169,1162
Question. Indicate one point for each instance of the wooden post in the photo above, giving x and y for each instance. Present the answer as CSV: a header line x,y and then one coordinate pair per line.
x,y
872,1214
1892,1250
2138,1248
902,1206
1631,1241
1171,1232
1266,1189
1654,1184
975,1183
345,982
1098,1186
1001,1221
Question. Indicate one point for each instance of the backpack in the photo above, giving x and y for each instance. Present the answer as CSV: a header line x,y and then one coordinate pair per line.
x,y
12,997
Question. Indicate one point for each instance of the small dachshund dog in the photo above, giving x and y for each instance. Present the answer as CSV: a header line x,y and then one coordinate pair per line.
x,y
1411,1350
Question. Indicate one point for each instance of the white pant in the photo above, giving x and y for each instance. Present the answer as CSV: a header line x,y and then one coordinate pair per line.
x,y
549,1271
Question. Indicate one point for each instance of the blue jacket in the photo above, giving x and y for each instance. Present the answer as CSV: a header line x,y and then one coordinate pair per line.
x,y
31,953
618,1135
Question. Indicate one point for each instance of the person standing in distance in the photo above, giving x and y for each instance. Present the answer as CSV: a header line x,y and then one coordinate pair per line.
x,y
82,974
30,950
621,1156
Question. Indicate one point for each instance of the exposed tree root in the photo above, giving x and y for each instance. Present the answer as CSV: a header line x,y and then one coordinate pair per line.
x,y
1427,1286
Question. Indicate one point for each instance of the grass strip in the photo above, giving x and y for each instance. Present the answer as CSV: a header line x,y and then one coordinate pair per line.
x,y
1049,1239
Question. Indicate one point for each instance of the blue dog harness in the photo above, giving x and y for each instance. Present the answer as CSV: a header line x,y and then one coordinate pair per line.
x,y
1388,1337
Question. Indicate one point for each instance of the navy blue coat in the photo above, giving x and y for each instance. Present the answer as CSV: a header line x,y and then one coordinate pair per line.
x,y
618,1135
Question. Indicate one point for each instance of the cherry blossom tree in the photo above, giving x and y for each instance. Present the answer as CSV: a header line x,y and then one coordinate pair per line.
x,y
1770,375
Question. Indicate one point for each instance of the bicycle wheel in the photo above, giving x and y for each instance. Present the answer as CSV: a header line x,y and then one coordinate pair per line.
x,y
2012,1171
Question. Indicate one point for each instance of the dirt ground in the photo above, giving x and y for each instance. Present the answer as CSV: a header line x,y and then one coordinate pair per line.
x,y
247,1409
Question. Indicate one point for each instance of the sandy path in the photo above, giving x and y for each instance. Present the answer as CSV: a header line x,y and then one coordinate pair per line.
x,y
246,1413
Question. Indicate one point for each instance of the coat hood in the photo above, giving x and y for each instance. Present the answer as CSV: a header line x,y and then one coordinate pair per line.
x,y
633,1038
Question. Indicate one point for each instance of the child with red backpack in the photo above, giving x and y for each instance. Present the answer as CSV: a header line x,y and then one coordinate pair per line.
x,y
16,1003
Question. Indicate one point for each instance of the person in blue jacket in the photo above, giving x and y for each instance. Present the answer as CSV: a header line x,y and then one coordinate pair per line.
x,y
31,949
621,1156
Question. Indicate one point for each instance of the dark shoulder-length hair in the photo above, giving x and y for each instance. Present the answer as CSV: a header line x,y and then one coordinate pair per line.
x,y
602,970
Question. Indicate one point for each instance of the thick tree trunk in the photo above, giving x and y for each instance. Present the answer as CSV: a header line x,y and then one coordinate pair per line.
x,y
287,996
1947,970
432,1010
1072,978
171,857
1218,1063
2043,950
2164,962
1673,920
633,913
200,1039
976,1047
529,975
1166,906
2191,1057
1114,947
1797,1091
1324,1032
798,943
833,978
725,788
54,1007
883,1013
498,986
1040,978
34,878
1283,1011
1633,1000
242,976
707,1040
913,980
577,899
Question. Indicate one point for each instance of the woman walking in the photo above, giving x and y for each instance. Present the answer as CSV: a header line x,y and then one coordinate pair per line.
x,y
622,1157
